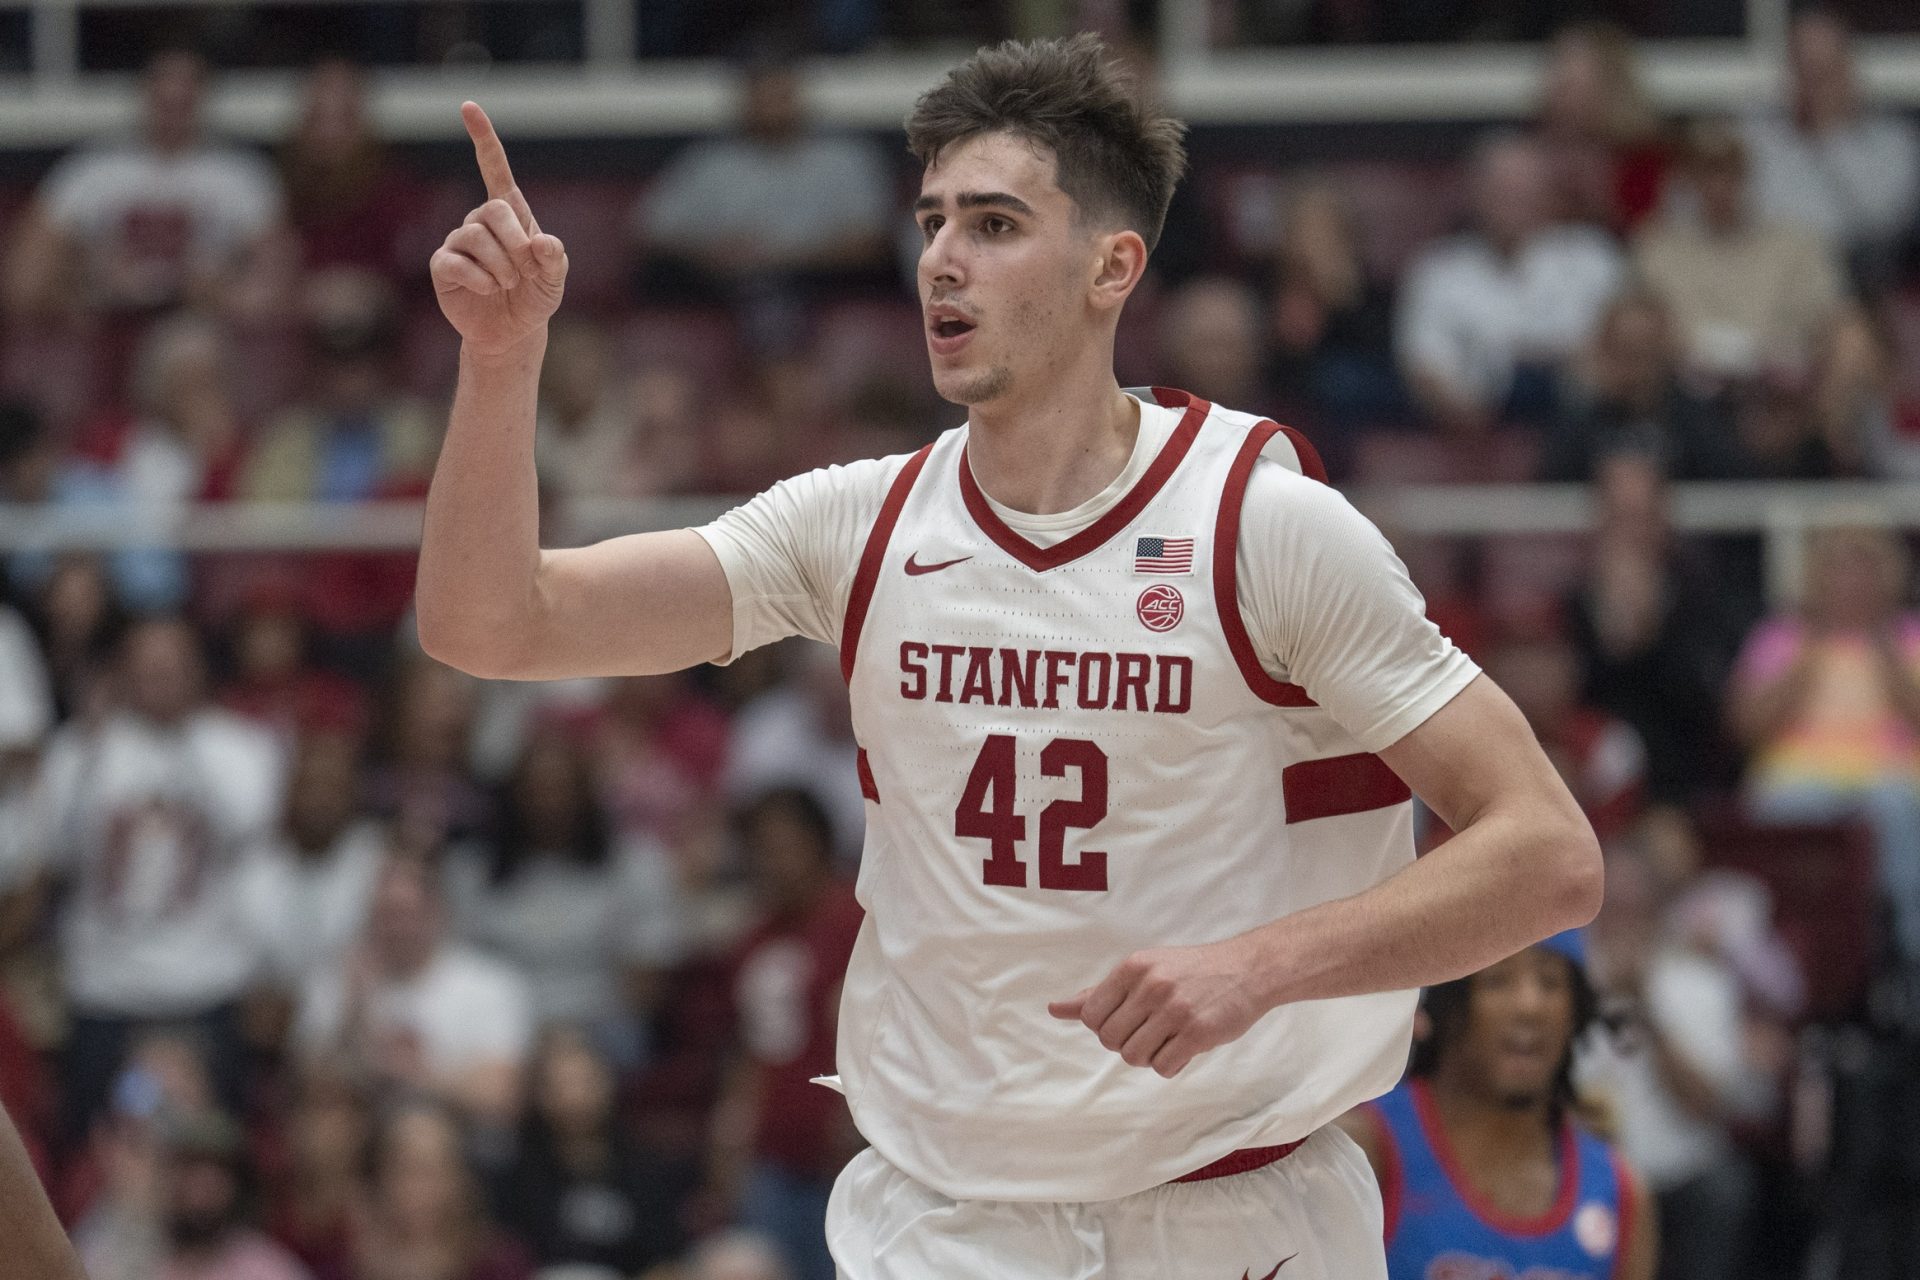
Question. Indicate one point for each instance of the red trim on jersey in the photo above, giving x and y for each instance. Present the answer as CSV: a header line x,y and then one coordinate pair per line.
x,y
1629,1211
1226,590
860,596
1118,516
1245,1160
1338,785
1509,1224
1393,1179
1310,465
869,789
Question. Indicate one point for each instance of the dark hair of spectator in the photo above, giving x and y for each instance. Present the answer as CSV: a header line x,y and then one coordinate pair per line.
x,y
795,804
1449,1005
512,845
21,429
1116,156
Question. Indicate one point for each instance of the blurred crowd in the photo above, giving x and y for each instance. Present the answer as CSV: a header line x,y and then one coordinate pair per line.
x,y
319,959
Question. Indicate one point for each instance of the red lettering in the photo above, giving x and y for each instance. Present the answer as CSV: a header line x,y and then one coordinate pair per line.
x,y
1176,684
913,664
1002,825
1016,681
1090,870
1134,670
978,686
947,652
1093,695
1056,678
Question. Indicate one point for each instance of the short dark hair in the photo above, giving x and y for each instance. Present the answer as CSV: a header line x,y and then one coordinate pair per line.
x,y
1117,157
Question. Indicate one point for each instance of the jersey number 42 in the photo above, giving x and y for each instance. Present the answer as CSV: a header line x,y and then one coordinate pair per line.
x,y
987,812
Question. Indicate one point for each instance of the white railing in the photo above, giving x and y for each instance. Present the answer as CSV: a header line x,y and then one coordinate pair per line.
x,y
1779,514
609,95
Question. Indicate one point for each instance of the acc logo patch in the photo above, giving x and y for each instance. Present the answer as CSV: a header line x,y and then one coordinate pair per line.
x,y
1160,607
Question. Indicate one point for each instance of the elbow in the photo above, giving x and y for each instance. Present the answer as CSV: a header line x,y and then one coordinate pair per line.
x,y
1579,876
474,650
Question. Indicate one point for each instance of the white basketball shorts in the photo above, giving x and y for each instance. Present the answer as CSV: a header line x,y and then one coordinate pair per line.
x,y
1314,1215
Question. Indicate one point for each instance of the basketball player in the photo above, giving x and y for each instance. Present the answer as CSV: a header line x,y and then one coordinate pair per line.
x,y
1140,703
36,1247
1484,1172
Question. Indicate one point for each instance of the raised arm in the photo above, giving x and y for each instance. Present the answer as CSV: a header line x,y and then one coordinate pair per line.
x,y
36,1247
490,601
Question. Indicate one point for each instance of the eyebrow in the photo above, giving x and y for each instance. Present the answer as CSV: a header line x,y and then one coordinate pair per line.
x,y
977,200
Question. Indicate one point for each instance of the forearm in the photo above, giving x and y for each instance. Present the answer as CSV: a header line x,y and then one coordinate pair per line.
x,y
36,1247
480,547
1503,883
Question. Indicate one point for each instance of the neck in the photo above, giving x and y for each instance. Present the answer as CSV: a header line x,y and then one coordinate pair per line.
x,y
1486,1131
1052,451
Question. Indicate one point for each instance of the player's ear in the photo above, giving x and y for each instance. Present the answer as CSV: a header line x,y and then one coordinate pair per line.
x,y
1121,261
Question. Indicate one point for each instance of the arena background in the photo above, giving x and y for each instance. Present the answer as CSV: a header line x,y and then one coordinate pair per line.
x,y
1653,463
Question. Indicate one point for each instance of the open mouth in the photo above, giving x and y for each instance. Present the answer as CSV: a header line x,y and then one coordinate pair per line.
x,y
951,328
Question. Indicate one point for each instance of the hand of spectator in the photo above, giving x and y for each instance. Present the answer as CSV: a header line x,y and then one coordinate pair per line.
x,y
498,276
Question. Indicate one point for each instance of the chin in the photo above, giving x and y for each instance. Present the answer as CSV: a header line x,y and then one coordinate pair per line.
x,y
971,386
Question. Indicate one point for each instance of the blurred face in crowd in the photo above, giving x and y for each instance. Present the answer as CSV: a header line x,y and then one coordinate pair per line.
x,y
436,710
737,1258
577,373
1634,355
1577,86
202,1197
1855,578
324,789
1009,269
1213,340
1821,66
1631,495
573,1088
161,671
407,918
1543,679
772,112
1320,245
1512,193
333,116
329,1128
553,788
790,860
1519,1025
172,91
421,1181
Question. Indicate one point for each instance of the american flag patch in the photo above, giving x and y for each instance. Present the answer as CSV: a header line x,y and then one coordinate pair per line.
x,y
1163,555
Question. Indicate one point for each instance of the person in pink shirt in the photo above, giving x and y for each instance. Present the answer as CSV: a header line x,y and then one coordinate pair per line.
x,y
1827,701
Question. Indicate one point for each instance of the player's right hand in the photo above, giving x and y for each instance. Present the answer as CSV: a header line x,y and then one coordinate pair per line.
x,y
498,276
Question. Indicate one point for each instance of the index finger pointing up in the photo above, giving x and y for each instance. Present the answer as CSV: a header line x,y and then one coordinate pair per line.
x,y
494,169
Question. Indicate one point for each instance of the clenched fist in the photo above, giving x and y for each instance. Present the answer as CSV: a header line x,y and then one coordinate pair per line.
x,y
498,276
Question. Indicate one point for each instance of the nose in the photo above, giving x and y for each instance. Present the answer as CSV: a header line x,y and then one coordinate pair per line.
x,y
940,260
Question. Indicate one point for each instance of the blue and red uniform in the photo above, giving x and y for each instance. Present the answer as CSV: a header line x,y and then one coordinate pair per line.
x,y
1440,1228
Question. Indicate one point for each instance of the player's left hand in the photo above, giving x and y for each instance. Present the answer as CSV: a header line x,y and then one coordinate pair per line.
x,y
1162,1008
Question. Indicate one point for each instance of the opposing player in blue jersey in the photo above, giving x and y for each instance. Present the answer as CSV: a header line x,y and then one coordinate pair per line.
x,y
1484,1172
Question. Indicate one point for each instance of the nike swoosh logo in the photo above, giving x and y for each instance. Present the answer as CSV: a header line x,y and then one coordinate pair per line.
x,y
1246,1275
915,568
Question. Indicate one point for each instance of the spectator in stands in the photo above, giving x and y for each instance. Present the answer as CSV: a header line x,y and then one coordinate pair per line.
x,y
661,746
800,734
1748,294
776,206
315,1202
1649,623
591,916
1626,396
79,624
419,1012
272,680
737,1255
1599,756
1828,702
350,202
427,1219
600,435
1698,1062
580,1191
357,436
1487,318
147,813
422,780
169,217
1603,136
1210,337
1331,320
205,1188
176,443
791,1137
307,887
1828,164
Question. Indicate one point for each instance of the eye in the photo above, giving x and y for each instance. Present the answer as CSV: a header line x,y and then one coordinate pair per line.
x,y
930,225
995,225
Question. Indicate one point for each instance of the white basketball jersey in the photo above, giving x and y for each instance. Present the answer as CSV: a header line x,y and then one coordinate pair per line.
x,y
1070,754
